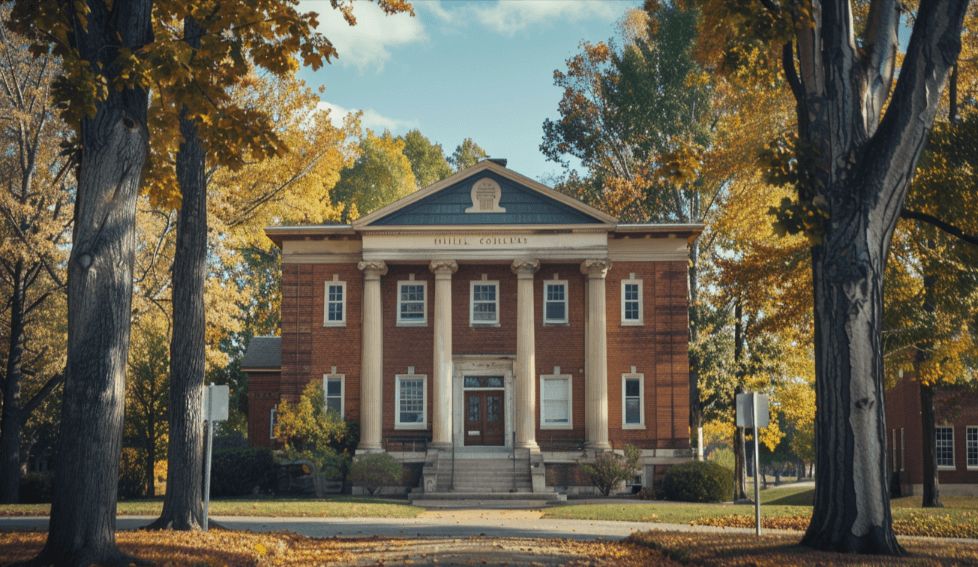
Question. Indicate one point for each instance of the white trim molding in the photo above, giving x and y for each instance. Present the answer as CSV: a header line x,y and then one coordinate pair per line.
x,y
564,301
557,377
634,377
399,381
330,299
334,377
412,321
472,302
944,444
628,318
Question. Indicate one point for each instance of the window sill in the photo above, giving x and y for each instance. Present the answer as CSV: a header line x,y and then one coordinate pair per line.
x,y
483,325
412,324
633,426
556,324
551,427
632,324
410,426
335,324
954,468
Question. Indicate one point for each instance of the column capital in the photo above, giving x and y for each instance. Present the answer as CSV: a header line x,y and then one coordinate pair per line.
x,y
443,267
596,267
373,267
525,266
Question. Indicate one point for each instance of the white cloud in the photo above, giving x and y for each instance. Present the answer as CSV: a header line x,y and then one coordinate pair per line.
x,y
370,119
510,16
367,44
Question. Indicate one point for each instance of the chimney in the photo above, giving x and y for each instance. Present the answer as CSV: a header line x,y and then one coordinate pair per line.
x,y
498,161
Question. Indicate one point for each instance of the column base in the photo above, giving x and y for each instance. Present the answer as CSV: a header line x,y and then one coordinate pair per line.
x,y
530,445
369,449
597,445
440,445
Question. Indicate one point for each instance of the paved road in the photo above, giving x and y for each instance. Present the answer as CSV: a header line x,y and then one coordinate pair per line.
x,y
413,527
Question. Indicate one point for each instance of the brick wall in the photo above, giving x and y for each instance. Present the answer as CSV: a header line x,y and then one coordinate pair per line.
x,y
263,395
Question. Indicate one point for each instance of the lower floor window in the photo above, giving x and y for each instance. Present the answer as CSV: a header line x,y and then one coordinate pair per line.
x,y
273,423
972,439
333,393
410,402
944,447
555,397
633,400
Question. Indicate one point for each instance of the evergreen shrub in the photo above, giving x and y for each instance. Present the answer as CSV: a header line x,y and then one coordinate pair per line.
x,y
698,481
36,488
238,472
374,472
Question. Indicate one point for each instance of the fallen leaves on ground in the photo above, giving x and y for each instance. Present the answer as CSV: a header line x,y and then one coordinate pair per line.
x,y
914,524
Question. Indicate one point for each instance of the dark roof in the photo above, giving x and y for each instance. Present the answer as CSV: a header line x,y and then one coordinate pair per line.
x,y
263,352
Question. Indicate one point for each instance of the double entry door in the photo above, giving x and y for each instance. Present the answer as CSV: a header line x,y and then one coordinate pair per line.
x,y
484,417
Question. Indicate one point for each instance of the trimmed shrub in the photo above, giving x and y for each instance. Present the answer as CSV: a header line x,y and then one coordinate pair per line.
x,y
608,469
238,472
374,472
698,481
36,488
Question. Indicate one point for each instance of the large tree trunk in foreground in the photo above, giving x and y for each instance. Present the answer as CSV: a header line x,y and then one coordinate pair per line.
x,y
928,430
12,418
857,170
182,507
114,141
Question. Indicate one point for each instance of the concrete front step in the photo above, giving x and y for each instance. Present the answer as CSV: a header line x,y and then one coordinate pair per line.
x,y
485,499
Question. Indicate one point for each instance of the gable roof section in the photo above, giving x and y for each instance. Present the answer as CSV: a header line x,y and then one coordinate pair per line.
x,y
263,353
525,201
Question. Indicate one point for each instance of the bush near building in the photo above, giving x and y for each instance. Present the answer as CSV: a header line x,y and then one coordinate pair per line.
x,y
698,481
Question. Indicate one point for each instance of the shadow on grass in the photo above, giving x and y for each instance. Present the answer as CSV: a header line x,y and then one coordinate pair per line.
x,y
803,498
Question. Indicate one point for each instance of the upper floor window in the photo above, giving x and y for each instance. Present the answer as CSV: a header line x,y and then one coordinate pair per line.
x,y
412,303
631,301
333,390
944,447
554,302
484,308
335,315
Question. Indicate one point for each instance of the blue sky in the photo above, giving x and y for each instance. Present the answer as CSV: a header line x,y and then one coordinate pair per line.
x,y
460,69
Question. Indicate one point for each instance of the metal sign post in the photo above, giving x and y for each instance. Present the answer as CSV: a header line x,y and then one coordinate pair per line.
x,y
216,400
752,411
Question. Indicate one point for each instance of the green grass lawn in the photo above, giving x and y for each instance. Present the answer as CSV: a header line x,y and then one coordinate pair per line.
x,y
333,507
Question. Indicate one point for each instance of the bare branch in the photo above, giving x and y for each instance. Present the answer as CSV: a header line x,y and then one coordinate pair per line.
x,y
938,223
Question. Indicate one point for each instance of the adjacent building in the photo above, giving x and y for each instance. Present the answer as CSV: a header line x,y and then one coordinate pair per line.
x,y
486,317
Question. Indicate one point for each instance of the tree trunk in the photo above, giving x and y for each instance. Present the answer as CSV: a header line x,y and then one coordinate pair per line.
x,y
115,144
857,170
182,506
932,493
12,419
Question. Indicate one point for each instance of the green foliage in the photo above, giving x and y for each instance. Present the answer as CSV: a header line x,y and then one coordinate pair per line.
x,y
698,481
609,469
381,175
374,472
312,432
724,456
36,487
132,474
467,154
237,472
427,159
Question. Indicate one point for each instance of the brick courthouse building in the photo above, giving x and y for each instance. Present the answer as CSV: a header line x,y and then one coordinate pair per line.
x,y
485,323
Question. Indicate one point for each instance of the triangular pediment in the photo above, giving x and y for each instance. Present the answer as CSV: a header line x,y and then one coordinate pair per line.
x,y
486,194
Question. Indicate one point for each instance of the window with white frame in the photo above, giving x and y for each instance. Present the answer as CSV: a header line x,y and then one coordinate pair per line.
x,y
631,301
485,303
971,444
411,303
554,302
335,312
272,423
633,400
334,387
903,454
555,401
410,401
944,447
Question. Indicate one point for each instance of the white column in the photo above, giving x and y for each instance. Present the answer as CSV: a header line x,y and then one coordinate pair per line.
x,y
525,368
442,386
372,359
596,357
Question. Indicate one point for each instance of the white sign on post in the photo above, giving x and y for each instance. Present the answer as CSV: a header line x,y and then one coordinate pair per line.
x,y
215,408
752,408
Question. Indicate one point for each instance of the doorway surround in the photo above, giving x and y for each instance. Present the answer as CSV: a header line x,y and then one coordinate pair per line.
x,y
481,365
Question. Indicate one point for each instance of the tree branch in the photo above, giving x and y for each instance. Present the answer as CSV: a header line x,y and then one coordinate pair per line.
x,y
936,222
48,387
